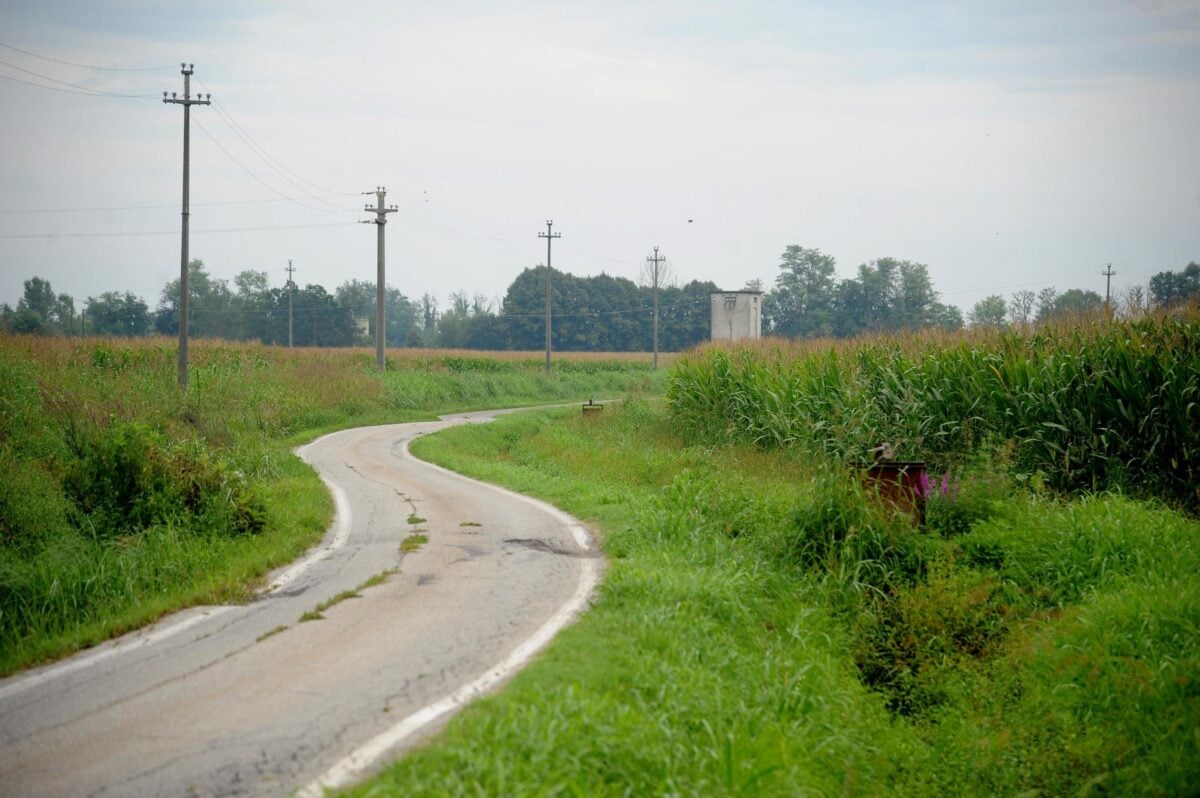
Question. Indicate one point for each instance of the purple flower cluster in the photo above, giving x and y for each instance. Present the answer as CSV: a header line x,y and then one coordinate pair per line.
x,y
948,489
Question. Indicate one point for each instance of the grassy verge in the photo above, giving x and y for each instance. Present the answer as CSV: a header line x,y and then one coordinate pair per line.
x,y
121,498
766,629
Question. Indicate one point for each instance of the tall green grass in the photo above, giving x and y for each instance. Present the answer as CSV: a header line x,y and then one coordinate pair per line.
x,y
765,629
122,498
1088,406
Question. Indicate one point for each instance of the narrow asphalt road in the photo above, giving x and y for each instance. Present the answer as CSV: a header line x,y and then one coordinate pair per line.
x,y
249,700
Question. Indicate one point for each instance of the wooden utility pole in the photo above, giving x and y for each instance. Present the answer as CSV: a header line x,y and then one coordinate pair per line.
x,y
187,102
379,221
549,236
291,286
655,275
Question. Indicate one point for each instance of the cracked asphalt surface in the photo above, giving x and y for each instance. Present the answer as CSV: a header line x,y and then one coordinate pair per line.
x,y
247,700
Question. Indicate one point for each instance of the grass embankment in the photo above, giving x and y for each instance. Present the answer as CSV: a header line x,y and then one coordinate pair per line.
x,y
122,499
767,628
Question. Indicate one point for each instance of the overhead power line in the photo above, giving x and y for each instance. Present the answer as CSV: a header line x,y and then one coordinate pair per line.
x,y
74,88
268,311
176,232
159,207
247,170
577,315
271,161
85,66
596,313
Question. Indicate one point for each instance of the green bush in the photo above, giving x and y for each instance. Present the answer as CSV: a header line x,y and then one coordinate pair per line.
x,y
127,478
32,505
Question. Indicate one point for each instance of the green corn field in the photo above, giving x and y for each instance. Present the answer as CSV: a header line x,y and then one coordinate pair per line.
x,y
1091,405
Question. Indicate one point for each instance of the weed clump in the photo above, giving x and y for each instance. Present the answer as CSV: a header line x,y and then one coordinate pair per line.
x,y
127,477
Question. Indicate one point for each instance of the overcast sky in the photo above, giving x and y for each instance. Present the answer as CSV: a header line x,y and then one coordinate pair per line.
x,y
1007,145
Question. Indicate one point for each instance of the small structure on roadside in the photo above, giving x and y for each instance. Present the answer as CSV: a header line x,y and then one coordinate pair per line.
x,y
736,315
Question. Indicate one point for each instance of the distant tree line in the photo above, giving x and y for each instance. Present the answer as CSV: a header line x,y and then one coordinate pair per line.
x,y
601,313
1167,289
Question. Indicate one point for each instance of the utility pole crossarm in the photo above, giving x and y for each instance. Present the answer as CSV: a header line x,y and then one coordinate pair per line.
x,y
1108,274
380,220
187,101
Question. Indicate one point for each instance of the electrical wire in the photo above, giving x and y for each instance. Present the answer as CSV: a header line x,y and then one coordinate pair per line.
x,y
1010,286
245,169
159,207
88,93
260,311
251,141
420,224
86,66
82,89
501,315
424,208
593,314
175,232
272,163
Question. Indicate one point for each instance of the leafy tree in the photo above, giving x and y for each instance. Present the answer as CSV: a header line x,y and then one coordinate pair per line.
x,y
602,313
1075,301
252,306
988,312
802,303
40,311
113,313
28,322
209,305
471,324
429,315
252,283
318,320
1045,303
889,295
1175,288
685,317
359,298
1133,302
1020,307
948,317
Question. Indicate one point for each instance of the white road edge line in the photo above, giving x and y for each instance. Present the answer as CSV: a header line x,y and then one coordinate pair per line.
x,y
362,758
341,534
23,683
341,527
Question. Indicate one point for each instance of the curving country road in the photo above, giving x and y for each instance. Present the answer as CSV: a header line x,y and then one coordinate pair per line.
x,y
248,700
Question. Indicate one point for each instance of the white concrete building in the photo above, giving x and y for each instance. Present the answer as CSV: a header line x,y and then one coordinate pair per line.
x,y
736,315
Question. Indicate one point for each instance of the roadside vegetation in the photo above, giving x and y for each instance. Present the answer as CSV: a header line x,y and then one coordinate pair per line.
x,y
768,626
122,499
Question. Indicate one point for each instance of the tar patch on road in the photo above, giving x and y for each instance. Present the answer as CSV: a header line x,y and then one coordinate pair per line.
x,y
537,544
